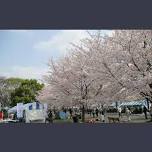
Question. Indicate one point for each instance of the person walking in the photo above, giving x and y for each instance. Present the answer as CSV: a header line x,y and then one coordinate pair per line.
x,y
50,116
71,112
119,111
128,113
102,116
75,118
97,111
93,113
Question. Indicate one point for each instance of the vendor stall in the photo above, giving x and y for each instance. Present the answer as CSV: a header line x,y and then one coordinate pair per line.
x,y
30,112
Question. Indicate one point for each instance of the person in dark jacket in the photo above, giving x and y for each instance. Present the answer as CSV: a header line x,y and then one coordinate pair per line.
x,y
50,116
65,110
71,112
97,111
75,118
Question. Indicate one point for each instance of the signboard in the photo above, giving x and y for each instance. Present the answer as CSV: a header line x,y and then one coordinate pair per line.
x,y
33,115
20,110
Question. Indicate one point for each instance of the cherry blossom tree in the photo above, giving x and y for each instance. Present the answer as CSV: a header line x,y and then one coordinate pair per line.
x,y
102,69
131,60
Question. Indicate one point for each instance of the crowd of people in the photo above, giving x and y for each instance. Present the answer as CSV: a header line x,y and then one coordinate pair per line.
x,y
100,114
129,112
75,114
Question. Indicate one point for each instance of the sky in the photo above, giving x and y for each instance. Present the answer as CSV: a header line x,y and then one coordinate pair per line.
x,y
25,53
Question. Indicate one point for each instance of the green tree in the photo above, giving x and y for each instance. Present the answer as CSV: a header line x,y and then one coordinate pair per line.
x,y
7,86
26,92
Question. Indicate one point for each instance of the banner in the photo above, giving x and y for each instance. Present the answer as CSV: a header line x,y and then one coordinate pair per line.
x,y
20,109
33,115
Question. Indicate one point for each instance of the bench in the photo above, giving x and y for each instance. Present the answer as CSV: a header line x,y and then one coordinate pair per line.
x,y
113,119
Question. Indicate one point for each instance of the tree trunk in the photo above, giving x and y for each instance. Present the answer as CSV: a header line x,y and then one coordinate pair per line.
x,y
83,114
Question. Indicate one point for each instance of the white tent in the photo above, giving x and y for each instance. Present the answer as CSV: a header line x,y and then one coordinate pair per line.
x,y
136,103
25,107
12,110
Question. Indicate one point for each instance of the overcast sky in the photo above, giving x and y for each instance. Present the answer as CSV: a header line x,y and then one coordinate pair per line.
x,y
25,53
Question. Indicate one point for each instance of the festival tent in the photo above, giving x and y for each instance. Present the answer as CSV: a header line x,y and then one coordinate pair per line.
x,y
141,103
134,103
33,105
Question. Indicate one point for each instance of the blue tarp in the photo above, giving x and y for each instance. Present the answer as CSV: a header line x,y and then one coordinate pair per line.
x,y
63,115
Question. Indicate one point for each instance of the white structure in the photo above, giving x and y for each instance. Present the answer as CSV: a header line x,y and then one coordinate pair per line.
x,y
33,112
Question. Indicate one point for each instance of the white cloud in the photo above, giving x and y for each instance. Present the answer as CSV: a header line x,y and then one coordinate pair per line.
x,y
24,72
61,41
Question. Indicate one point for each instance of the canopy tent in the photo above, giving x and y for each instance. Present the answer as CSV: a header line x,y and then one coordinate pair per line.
x,y
12,110
131,103
27,106
136,103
